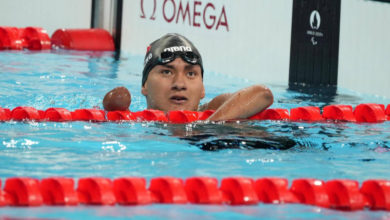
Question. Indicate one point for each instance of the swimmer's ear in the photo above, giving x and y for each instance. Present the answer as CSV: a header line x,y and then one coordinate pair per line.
x,y
203,93
144,90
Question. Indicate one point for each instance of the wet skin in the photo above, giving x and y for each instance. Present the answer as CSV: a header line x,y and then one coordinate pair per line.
x,y
177,85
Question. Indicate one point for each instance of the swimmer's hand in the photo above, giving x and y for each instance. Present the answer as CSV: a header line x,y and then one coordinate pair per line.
x,y
118,99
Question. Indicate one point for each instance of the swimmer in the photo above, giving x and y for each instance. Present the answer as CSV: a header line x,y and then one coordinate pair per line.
x,y
172,79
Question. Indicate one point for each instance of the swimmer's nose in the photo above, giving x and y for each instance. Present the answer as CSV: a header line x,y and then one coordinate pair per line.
x,y
179,82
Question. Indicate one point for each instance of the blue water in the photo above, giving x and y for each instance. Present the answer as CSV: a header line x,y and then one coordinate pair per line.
x,y
76,80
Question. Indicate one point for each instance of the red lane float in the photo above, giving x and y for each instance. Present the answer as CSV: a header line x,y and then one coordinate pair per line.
x,y
120,116
338,194
23,191
370,113
306,113
310,192
5,114
168,190
10,39
366,113
203,190
36,38
274,190
57,114
182,116
26,113
151,115
238,191
58,191
345,195
339,112
88,115
33,38
272,114
96,191
83,39
377,193
131,191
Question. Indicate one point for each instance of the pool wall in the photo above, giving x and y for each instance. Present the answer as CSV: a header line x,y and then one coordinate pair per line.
x,y
250,39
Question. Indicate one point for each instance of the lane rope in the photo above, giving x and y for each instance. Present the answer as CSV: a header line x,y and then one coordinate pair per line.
x,y
342,194
371,113
36,38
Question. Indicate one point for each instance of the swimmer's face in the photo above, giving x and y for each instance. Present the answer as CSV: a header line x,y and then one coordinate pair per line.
x,y
177,85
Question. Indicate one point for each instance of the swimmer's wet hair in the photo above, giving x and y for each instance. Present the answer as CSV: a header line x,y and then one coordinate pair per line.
x,y
172,42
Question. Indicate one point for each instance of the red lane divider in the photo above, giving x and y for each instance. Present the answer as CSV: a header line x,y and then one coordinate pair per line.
x,y
339,112
33,38
151,115
388,112
57,114
182,116
377,193
26,113
83,39
306,113
59,191
274,190
168,190
22,191
363,113
238,191
96,191
132,191
345,195
370,113
311,192
36,38
10,39
88,115
120,116
203,190
337,194
5,114
272,114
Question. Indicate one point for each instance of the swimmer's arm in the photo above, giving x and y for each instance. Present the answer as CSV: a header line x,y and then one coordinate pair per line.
x,y
118,99
241,104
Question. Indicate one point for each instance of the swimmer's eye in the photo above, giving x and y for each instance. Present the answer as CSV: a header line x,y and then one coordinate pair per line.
x,y
191,74
166,72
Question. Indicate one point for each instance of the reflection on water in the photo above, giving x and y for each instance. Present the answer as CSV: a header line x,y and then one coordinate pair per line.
x,y
230,135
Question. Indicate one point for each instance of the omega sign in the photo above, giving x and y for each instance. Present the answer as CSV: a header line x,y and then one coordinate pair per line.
x,y
201,14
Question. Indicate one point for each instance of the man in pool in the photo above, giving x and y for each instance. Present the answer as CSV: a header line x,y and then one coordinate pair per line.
x,y
172,79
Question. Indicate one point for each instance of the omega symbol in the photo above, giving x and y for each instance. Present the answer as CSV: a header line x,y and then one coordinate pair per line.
x,y
152,17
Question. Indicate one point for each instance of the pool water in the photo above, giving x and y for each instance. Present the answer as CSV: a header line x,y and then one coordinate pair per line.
x,y
255,149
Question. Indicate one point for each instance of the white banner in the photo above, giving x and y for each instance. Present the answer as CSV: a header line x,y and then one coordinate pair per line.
x,y
249,39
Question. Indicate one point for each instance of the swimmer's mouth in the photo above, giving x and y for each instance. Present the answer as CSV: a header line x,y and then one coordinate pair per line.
x,y
178,99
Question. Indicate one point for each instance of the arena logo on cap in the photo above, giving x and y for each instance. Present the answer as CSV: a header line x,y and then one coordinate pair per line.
x,y
150,55
178,48
189,13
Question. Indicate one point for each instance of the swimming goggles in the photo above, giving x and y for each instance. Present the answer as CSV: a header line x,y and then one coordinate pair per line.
x,y
189,57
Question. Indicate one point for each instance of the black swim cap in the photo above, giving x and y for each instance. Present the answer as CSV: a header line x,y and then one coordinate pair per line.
x,y
167,49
